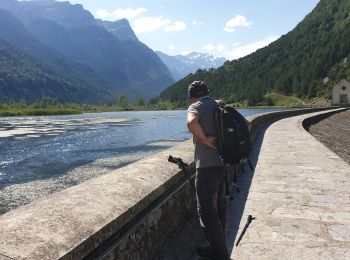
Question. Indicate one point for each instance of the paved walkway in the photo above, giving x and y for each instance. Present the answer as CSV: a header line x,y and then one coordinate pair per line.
x,y
299,195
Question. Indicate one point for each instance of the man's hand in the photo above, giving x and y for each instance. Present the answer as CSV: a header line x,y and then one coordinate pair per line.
x,y
198,133
211,142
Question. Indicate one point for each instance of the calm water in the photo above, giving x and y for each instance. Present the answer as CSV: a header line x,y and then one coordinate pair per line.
x,y
41,155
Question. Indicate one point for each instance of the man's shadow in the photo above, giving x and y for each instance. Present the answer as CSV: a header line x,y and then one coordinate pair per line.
x,y
244,180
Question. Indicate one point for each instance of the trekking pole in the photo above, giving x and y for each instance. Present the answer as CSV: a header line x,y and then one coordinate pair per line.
x,y
249,220
182,166
246,160
235,179
250,164
227,188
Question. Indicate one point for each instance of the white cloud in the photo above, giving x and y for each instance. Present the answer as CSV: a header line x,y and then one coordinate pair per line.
x,y
243,50
171,47
220,47
102,14
208,47
176,26
196,23
211,47
150,24
238,21
226,29
128,13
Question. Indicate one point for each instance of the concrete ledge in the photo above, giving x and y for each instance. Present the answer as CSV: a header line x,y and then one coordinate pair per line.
x,y
258,121
299,195
73,223
317,118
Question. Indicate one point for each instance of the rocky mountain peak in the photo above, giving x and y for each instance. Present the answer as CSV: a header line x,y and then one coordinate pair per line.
x,y
120,29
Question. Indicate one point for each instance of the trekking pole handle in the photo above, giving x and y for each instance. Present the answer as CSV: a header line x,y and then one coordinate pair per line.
x,y
177,161
182,166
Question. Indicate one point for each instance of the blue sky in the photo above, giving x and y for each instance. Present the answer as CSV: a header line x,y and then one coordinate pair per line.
x,y
227,28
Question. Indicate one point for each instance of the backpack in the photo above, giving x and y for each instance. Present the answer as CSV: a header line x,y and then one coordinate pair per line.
x,y
233,131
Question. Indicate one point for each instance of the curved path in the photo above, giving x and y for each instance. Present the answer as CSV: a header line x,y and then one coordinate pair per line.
x,y
299,195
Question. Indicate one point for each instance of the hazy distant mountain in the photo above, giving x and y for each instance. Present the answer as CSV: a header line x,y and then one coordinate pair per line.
x,y
109,50
182,65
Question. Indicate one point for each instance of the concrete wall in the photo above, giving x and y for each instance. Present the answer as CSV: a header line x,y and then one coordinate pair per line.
x,y
126,214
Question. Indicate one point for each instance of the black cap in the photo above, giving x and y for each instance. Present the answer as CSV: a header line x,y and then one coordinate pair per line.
x,y
197,89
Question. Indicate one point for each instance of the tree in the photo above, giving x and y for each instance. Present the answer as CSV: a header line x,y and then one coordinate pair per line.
x,y
122,100
140,101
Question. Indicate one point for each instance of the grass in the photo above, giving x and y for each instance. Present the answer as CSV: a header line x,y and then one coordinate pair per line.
x,y
37,111
279,100
69,109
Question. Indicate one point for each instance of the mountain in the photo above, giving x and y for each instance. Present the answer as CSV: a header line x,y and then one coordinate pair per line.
x,y
17,43
295,64
23,76
141,64
182,65
111,51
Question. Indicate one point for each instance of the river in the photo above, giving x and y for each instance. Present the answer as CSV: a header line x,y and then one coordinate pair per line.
x,y
45,154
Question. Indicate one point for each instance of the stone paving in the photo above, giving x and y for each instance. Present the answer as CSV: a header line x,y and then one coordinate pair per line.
x,y
299,195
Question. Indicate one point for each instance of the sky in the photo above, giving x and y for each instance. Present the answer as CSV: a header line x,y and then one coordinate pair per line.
x,y
223,28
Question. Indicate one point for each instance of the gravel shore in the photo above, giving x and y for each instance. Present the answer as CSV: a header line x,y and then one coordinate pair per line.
x,y
334,132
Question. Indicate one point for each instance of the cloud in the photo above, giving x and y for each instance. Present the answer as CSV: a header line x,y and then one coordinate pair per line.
x,y
196,23
208,47
102,13
211,47
220,47
128,13
171,47
243,50
176,26
150,24
238,21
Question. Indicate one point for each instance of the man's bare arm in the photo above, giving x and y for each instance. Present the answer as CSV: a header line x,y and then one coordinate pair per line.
x,y
197,131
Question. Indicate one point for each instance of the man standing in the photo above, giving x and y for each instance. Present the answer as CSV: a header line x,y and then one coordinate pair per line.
x,y
210,178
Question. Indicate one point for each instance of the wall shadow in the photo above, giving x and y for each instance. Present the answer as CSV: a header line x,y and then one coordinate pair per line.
x,y
244,180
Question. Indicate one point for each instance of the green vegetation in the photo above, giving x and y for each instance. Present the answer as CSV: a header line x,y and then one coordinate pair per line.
x,y
51,106
295,65
23,76
273,99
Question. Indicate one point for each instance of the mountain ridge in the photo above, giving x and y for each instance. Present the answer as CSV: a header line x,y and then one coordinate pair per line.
x,y
182,65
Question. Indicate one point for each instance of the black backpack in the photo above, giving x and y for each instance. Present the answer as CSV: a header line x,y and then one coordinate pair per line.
x,y
233,130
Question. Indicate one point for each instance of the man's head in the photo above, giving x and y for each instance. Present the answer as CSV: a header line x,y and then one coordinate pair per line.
x,y
197,89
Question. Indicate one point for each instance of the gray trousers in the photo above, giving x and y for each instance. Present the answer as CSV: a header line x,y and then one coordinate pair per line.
x,y
212,209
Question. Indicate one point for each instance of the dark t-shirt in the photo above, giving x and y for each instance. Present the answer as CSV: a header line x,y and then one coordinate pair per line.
x,y
205,108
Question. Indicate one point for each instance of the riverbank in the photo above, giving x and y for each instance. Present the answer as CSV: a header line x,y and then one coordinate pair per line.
x,y
65,110
334,132
10,111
